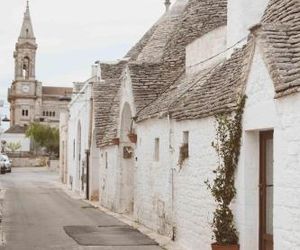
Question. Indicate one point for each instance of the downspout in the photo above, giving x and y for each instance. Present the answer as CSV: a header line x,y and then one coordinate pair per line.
x,y
171,150
88,151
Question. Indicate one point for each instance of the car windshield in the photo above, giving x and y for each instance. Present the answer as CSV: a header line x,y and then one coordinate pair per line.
x,y
4,158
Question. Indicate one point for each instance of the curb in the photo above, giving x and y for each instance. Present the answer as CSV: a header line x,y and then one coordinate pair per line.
x,y
163,241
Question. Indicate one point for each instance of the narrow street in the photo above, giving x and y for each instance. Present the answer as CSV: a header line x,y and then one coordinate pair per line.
x,y
37,215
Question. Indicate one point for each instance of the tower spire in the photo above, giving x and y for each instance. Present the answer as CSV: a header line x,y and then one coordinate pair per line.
x,y
27,29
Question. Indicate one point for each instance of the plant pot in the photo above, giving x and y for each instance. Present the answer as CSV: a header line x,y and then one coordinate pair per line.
x,y
132,137
116,141
216,246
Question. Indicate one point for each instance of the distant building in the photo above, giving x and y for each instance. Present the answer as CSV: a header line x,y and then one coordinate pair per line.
x,y
29,100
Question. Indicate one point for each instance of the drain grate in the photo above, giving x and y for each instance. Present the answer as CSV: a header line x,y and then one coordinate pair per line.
x,y
88,207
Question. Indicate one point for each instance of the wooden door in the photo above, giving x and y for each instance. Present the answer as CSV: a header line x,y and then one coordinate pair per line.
x,y
266,190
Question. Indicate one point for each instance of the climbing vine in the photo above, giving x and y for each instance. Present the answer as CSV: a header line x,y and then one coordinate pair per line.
x,y
227,145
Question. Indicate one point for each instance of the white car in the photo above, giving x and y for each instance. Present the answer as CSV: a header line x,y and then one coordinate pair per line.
x,y
6,163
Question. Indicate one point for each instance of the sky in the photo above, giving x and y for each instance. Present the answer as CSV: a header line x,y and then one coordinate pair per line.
x,y
72,35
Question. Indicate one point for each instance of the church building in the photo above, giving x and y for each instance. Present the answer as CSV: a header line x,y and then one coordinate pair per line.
x,y
29,100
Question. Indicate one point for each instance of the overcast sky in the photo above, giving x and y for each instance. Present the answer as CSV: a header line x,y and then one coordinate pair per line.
x,y
72,34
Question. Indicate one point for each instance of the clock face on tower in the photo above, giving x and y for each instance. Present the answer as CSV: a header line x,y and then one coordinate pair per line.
x,y
25,88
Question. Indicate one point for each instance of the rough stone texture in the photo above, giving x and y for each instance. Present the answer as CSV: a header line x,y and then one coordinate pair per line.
x,y
280,40
158,60
209,92
151,47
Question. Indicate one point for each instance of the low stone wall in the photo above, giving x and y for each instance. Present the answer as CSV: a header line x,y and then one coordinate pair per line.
x,y
29,162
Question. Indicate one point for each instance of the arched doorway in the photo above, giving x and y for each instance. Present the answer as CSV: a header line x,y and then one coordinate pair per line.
x,y
126,162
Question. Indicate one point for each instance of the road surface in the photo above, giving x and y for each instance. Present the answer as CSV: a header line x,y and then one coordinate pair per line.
x,y
36,213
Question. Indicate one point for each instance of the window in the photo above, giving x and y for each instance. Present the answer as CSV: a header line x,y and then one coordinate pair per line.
x,y
54,113
44,113
184,148
25,112
106,160
156,150
186,142
47,113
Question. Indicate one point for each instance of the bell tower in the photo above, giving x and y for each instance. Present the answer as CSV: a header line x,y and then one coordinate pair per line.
x,y
25,92
25,50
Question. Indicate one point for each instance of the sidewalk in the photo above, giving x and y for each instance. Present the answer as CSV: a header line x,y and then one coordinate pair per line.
x,y
163,241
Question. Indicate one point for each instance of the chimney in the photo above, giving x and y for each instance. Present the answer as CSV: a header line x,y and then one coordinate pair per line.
x,y
167,4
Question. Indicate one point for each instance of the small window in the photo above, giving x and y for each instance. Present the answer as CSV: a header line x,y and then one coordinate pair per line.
x,y
47,113
156,150
54,113
25,112
106,160
184,148
186,142
44,113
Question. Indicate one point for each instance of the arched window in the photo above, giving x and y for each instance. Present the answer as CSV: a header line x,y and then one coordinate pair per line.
x,y
25,68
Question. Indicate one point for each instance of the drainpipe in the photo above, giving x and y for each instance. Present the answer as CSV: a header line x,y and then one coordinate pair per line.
x,y
171,150
87,152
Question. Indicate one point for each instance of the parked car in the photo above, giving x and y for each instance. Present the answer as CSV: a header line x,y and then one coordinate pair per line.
x,y
6,162
2,165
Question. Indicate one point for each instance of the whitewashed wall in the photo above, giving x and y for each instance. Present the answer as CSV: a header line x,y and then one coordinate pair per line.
x,y
109,178
199,53
17,138
242,14
79,113
153,193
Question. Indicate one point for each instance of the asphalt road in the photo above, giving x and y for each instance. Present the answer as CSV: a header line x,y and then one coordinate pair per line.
x,y
36,211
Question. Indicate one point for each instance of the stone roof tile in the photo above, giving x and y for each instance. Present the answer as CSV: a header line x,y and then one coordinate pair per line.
x,y
279,37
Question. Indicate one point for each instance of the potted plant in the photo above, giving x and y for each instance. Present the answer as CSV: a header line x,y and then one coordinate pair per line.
x,y
227,146
132,137
183,153
116,141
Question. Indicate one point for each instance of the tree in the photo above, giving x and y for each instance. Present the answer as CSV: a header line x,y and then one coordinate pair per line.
x,y
13,146
45,137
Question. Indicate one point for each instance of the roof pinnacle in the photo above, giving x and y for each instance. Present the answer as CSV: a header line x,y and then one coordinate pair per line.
x,y
167,4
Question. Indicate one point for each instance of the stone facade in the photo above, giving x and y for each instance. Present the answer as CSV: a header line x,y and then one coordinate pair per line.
x,y
29,100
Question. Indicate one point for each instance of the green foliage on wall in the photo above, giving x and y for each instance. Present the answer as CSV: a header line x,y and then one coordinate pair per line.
x,y
227,145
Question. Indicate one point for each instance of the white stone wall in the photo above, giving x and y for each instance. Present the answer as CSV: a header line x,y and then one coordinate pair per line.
x,y
109,178
17,138
242,14
79,116
260,114
193,202
287,174
153,183
263,112
200,52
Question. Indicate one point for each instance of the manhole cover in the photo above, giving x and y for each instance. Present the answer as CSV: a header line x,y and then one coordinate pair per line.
x,y
108,236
